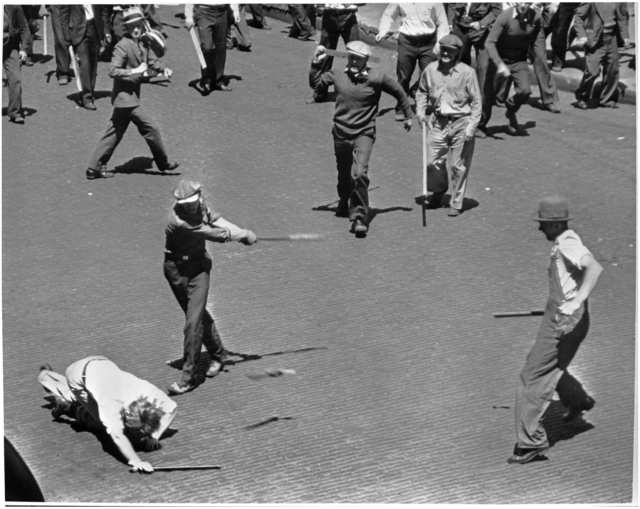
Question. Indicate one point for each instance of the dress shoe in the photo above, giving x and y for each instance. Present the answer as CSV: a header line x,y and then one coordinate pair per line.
x,y
576,411
481,133
223,88
177,388
582,105
359,228
90,106
454,212
512,128
399,116
557,66
244,48
315,100
551,107
17,120
608,104
343,208
63,80
29,63
171,165
98,174
523,456
307,37
214,369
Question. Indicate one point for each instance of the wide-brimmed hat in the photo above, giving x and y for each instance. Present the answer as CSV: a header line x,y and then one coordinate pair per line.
x,y
187,191
132,15
451,41
359,48
553,208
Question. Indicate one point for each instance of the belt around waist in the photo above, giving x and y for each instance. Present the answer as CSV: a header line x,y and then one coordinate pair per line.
x,y
420,37
182,258
449,118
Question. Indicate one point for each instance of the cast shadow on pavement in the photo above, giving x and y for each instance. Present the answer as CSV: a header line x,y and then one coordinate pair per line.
x,y
76,97
141,165
467,203
502,129
373,212
27,112
557,429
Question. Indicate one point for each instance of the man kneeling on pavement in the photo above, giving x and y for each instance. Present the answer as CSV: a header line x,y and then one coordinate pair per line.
x,y
100,396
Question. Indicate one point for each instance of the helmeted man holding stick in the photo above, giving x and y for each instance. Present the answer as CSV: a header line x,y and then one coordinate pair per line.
x,y
132,60
102,397
358,91
573,274
448,89
187,266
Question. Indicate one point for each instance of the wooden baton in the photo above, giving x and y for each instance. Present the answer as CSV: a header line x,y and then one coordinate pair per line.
x,y
344,54
196,44
309,237
74,64
507,314
189,467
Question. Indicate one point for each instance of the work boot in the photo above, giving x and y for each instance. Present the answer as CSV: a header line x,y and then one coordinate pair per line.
x,y
177,388
573,412
512,128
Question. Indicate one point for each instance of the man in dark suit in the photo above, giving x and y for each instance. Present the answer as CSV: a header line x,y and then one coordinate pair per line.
x,y
472,24
82,28
131,60
601,28
61,47
15,38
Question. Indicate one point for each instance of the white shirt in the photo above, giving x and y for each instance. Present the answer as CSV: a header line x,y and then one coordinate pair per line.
x,y
567,253
88,11
417,19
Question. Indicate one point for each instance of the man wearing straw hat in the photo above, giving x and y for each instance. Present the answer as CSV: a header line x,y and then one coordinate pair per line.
x,y
573,274
187,266
131,60
358,91
448,89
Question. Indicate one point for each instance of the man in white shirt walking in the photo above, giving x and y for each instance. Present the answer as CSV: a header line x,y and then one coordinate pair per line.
x,y
423,25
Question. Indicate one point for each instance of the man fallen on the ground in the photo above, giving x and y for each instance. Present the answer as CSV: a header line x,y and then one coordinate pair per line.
x,y
100,396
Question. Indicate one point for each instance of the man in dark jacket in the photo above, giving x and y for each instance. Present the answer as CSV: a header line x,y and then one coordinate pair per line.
x,y
358,90
601,28
15,38
187,266
472,24
131,61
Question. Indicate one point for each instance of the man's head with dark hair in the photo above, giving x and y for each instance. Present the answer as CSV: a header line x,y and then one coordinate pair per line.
x,y
142,418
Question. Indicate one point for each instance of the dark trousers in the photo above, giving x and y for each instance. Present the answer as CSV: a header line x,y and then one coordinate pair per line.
x,y
604,53
11,65
304,20
546,371
32,23
212,29
412,50
258,15
497,86
63,59
546,83
87,53
189,281
352,159
335,26
560,30
116,128
241,28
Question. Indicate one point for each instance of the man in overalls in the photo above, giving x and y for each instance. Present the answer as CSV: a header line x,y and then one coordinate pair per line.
x,y
573,273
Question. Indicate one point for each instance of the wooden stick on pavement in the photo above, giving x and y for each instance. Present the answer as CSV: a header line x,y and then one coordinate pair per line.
x,y
506,314
425,153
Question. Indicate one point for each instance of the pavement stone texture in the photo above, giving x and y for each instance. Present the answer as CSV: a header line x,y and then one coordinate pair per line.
x,y
408,393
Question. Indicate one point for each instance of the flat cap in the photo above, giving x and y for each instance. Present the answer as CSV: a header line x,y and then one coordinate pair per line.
x,y
451,41
359,48
187,190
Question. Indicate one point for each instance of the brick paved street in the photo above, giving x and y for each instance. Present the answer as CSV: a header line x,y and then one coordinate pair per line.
x,y
408,393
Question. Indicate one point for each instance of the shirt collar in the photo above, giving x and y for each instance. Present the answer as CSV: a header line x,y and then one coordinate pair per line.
x,y
528,15
455,68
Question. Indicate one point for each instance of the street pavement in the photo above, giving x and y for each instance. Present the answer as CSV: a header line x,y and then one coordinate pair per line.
x,y
404,382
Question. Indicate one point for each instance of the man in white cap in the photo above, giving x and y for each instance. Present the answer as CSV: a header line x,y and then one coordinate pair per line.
x,y
187,266
102,397
448,89
358,90
132,60
573,274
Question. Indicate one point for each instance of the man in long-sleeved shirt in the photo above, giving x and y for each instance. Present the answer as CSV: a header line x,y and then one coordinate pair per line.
x,y
423,25
601,28
448,89
358,91
516,31
131,60
213,25
187,266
